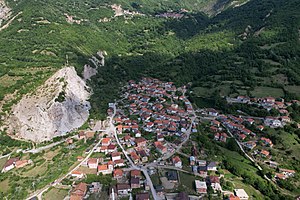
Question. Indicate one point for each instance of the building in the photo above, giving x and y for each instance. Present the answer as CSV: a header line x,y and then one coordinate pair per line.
x,y
118,174
93,163
201,187
115,156
135,173
79,191
10,164
241,194
172,176
77,174
140,142
104,169
135,182
160,147
212,166
177,161
215,183
142,196
105,141
123,189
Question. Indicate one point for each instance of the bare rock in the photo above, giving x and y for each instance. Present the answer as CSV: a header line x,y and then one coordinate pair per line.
x,y
55,108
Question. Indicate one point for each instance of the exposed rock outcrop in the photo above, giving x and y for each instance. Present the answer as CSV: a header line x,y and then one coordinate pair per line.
x,y
55,108
4,11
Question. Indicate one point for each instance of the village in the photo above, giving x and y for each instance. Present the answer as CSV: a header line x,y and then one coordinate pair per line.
x,y
143,154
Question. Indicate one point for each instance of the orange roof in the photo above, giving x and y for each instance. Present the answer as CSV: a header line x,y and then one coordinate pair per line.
x,y
110,163
118,172
135,173
232,197
176,159
105,140
77,172
102,167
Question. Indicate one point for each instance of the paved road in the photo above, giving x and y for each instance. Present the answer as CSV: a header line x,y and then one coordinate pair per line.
x,y
143,169
249,157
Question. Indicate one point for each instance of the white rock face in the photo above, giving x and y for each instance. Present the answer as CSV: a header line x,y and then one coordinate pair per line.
x,y
42,115
4,11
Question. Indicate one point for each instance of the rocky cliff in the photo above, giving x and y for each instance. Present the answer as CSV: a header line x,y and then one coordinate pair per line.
x,y
55,108
4,11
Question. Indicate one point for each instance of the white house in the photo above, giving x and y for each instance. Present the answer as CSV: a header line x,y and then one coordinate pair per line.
x,y
241,194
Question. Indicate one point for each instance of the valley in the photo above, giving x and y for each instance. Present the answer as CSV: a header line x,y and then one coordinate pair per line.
x,y
152,99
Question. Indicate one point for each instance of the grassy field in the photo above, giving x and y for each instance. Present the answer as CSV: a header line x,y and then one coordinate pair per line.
x,y
55,194
267,91
293,89
41,169
2,162
4,185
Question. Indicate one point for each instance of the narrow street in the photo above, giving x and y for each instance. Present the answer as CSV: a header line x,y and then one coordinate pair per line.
x,y
143,169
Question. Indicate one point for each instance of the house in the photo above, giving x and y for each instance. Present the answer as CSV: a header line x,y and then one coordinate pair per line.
x,y
215,183
142,196
212,112
135,158
264,153
79,191
118,173
119,163
69,141
89,134
160,137
160,147
143,155
115,156
192,160
177,161
22,163
232,197
10,164
104,169
123,189
140,142
201,187
77,174
106,141
260,127
81,135
215,123
280,176
266,141
287,172
212,166
135,173
223,137
172,176
79,158
95,187
250,144
241,194
111,148
135,182
93,163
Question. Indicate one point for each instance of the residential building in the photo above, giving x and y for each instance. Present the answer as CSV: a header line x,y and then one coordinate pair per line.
x,y
241,194
142,196
135,182
93,163
201,187
123,189
177,161
79,191
212,166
